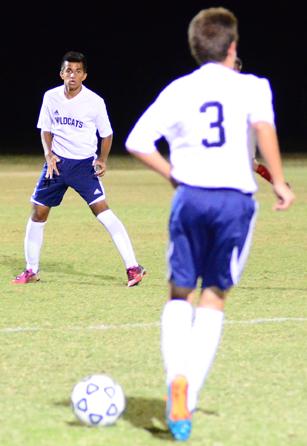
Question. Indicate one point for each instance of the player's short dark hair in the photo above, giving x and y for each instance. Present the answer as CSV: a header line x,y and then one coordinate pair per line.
x,y
74,56
210,34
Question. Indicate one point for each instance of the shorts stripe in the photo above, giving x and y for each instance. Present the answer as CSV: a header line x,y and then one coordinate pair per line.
x,y
238,262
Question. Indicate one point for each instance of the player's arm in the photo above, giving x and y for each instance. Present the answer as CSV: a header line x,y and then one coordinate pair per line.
x,y
100,164
154,161
142,142
51,158
269,149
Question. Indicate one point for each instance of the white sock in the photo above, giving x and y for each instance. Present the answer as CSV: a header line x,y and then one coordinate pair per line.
x,y
119,236
176,323
32,244
205,337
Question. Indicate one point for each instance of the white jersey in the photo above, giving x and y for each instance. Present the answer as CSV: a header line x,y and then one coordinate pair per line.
x,y
206,118
74,122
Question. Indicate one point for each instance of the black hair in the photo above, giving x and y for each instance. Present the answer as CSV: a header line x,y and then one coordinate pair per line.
x,y
74,56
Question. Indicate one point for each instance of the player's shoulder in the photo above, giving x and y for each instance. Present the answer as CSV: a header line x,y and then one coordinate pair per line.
x,y
176,87
252,86
183,80
55,91
92,96
252,79
86,91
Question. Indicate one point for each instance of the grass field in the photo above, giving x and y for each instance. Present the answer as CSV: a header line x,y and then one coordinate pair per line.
x,y
82,319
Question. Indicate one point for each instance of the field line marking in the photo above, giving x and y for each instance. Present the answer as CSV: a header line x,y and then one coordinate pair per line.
x,y
267,320
272,320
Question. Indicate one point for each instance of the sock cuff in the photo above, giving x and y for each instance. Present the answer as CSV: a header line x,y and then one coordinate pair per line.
x,y
209,313
106,217
36,223
177,307
179,303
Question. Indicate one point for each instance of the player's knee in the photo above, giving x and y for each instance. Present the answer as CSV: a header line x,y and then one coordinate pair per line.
x,y
213,297
99,207
40,214
179,292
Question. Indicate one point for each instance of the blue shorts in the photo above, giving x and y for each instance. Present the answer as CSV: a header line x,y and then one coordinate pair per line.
x,y
77,174
209,236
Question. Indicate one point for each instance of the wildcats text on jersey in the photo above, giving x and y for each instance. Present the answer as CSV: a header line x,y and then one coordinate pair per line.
x,y
68,121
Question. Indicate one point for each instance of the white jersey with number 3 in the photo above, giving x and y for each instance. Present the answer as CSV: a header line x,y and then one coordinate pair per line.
x,y
206,118
74,122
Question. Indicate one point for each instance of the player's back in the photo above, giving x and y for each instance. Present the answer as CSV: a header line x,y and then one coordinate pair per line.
x,y
208,115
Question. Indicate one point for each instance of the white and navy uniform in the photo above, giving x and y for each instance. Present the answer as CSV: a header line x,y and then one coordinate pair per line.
x,y
74,124
206,118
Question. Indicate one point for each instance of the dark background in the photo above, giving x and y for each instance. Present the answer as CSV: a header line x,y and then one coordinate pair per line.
x,y
134,49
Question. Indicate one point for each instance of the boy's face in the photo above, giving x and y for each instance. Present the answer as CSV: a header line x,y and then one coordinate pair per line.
x,y
73,75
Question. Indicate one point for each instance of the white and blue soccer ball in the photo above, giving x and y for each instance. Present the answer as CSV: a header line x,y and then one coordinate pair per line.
x,y
98,400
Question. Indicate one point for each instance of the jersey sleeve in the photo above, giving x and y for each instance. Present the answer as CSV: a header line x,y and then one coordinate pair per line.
x,y
151,126
44,120
103,124
262,105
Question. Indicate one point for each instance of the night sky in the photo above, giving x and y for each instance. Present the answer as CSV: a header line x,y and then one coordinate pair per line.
x,y
135,49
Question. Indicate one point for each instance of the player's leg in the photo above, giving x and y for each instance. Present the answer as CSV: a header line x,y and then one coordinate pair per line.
x,y
47,193
177,315
176,325
178,312
87,184
230,243
205,339
121,239
35,235
32,244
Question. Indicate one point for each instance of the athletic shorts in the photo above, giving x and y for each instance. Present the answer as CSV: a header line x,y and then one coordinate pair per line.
x,y
77,174
210,234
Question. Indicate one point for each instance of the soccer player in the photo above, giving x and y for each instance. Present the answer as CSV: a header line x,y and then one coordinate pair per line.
x,y
258,167
206,117
69,119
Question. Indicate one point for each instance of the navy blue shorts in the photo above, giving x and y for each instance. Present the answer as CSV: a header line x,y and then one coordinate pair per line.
x,y
77,174
210,234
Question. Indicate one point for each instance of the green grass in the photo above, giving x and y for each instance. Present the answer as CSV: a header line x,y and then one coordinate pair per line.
x,y
82,319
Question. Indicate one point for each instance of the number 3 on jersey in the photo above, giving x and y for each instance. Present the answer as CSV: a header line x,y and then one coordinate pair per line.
x,y
216,137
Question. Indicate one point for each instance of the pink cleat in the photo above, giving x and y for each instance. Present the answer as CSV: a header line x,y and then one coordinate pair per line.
x,y
28,276
135,275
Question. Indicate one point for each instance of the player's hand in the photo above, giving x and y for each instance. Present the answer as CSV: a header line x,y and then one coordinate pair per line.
x,y
285,196
51,160
100,168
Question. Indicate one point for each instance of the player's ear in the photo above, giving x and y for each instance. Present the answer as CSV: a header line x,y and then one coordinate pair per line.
x,y
84,77
232,50
61,74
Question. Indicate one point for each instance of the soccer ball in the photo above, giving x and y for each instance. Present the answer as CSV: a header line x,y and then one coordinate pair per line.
x,y
98,400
